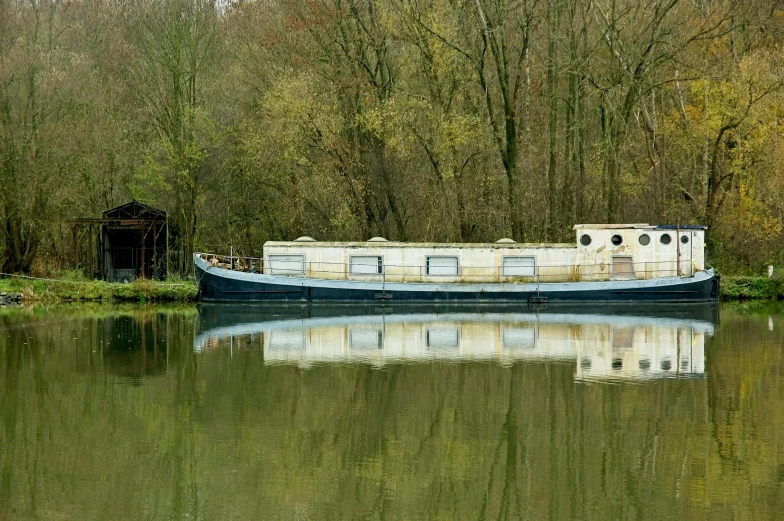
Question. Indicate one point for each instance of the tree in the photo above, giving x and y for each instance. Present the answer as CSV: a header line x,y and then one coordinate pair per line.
x,y
641,40
497,47
721,143
175,43
37,103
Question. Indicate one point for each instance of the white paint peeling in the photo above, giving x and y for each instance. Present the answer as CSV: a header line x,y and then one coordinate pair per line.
x,y
483,262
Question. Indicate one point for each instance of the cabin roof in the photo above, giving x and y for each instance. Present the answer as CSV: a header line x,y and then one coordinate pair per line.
x,y
396,244
681,227
639,226
612,226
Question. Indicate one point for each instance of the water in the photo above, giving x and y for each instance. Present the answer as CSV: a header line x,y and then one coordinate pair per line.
x,y
261,413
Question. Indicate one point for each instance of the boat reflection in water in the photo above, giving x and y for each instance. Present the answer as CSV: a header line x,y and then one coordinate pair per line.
x,y
602,346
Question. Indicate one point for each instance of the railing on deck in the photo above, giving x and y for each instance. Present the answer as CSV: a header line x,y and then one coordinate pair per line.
x,y
467,273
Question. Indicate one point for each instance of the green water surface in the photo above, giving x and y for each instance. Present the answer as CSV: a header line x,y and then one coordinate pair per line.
x,y
165,413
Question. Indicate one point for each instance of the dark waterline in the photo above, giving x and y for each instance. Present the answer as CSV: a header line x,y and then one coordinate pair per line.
x,y
391,413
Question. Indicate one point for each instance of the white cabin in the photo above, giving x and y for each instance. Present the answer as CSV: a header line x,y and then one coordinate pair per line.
x,y
600,252
639,251
603,347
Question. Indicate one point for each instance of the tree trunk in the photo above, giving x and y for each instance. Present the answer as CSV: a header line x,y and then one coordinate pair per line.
x,y
552,217
510,166
21,245
570,148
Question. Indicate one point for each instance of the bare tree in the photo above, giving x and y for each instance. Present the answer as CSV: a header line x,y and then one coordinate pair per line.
x,y
33,118
175,41
640,39
497,47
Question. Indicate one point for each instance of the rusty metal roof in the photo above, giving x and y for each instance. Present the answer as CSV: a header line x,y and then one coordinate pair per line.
x,y
135,210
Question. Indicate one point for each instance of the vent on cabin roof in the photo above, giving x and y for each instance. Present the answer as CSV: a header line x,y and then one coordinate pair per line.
x,y
505,240
377,239
305,238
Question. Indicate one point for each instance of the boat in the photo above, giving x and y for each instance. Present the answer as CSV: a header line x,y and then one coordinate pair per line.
x,y
602,346
606,263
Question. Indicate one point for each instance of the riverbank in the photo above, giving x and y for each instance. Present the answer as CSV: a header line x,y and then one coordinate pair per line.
x,y
751,288
733,288
51,291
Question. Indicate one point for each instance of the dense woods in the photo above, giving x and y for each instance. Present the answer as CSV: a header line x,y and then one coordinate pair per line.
x,y
462,120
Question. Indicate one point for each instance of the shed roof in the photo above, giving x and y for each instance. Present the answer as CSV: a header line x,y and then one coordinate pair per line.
x,y
135,210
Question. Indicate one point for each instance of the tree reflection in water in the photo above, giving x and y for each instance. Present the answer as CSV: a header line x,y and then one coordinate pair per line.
x,y
235,433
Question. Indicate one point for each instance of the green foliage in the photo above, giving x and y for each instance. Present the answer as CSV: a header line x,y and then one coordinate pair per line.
x,y
430,121
72,286
750,288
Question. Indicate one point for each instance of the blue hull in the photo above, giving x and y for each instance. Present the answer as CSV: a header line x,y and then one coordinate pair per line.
x,y
220,285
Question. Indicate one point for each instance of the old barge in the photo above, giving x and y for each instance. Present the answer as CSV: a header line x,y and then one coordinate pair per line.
x,y
601,346
607,263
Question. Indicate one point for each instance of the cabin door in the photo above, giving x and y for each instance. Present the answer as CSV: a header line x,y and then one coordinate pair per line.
x,y
685,253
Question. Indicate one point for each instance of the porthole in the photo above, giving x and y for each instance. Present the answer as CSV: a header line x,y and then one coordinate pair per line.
x,y
585,239
617,240
665,238
684,239
645,239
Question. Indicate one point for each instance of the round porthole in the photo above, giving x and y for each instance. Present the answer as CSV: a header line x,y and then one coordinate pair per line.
x,y
665,238
585,239
645,239
684,239
617,240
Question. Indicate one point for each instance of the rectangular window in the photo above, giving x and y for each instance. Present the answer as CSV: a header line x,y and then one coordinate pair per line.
x,y
366,265
519,267
366,339
442,266
442,338
287,341
622,267
518,338
286,265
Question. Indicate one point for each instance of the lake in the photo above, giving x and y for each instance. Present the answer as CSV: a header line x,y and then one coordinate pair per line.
x,y
384,413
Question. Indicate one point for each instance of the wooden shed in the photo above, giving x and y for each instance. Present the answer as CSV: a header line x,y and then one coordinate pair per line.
x,y
131,242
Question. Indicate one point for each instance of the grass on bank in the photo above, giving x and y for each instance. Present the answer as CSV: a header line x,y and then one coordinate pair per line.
x,y
741,287
73,286
70,287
